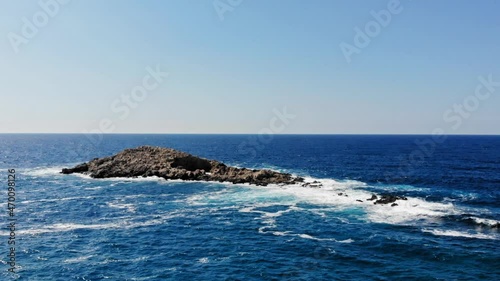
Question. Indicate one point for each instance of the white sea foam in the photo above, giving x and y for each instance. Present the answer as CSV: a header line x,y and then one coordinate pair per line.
x,y
129,207
43,171
454,233
108,261
306,236
310,237
345,195
64,227
268,219
78,259
486,221
203,260
58,199
332,196
409,211
94,188
280,233
118,223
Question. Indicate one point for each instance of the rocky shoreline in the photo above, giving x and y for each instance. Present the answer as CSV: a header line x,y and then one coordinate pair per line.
x,y
171,164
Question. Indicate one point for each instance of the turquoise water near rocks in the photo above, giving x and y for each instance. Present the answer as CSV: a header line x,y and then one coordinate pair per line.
x,y
72,227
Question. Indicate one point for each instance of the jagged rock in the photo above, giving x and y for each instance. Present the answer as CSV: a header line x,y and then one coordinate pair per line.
x,y
374,197
394,204
387,199
360,201
314,184
146,161
78,169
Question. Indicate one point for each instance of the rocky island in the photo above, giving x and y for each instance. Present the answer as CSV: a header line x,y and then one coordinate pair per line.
x,y
170,164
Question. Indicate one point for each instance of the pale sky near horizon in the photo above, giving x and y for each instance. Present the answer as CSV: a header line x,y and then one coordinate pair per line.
x,y
231,75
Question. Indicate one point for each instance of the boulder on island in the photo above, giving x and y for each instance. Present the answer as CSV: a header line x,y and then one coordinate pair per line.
x,y
388,199
170,164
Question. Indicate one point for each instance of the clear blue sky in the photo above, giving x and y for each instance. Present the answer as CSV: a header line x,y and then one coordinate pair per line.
x,y
227,76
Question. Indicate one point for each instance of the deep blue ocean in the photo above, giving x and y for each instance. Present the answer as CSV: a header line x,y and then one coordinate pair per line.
x,y
72,227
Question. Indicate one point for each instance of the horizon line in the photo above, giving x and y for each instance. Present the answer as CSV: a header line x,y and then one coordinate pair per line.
x,y
235,134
